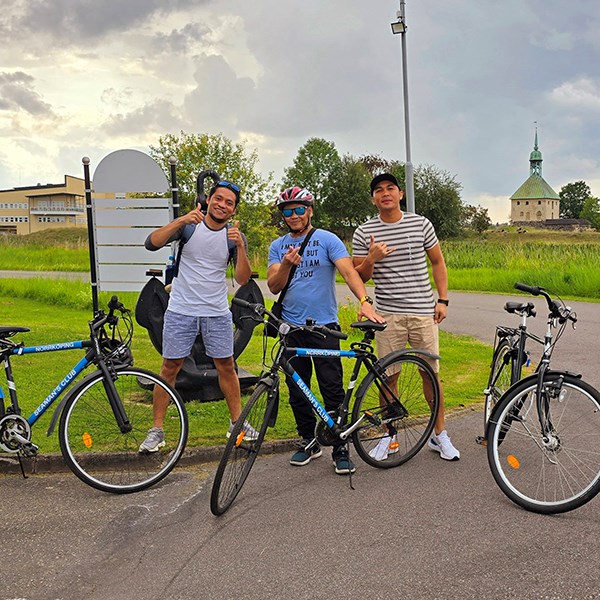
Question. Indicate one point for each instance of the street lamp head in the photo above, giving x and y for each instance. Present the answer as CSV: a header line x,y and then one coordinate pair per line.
x,y
398,27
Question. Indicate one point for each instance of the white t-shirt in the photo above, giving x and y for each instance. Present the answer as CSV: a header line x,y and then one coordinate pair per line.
x,y
200,288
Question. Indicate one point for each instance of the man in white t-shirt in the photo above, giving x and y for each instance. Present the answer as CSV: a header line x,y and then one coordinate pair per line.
x,y
198,299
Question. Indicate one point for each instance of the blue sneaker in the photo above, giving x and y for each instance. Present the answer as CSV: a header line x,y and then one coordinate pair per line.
x,y
343,464
309,449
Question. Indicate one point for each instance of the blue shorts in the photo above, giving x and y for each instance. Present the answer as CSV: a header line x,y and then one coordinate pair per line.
x,y
180,331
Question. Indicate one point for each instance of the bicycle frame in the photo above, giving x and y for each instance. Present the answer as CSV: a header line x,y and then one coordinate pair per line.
x,y
361,357
60,388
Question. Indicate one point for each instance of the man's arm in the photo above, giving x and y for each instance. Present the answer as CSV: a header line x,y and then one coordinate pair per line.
x,y
440,278
364,265
357,287
167,233
279,273
243,271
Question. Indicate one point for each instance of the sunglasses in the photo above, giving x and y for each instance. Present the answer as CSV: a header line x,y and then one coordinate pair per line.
x,y
299,210
229,185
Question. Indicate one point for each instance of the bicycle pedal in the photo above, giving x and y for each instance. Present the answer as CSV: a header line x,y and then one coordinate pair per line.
x,y
30,450
481,440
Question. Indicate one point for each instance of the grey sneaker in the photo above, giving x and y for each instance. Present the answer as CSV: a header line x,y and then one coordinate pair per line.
x,y
250,434
154,441
342,462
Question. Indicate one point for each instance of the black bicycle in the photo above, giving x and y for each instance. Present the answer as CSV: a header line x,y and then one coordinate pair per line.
x,y
543,433
389,417
105,416
508,358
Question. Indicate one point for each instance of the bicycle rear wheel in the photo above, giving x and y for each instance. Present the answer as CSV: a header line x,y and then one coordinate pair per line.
x,y
552,475
397,415
102,456
502,376
242,449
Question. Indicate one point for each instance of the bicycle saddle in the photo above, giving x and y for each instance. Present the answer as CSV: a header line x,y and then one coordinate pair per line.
x,y
369,325
520,307
6,332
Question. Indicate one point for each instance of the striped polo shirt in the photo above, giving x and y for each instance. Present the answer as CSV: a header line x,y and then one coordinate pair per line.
x,y
402,284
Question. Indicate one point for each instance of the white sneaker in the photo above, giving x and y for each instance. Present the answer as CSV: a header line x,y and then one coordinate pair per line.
x,y
386,446
441,443
250,434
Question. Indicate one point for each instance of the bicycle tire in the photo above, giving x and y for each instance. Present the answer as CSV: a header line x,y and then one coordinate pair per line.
x,y
502,376
550,477
98,452
413,425
239,454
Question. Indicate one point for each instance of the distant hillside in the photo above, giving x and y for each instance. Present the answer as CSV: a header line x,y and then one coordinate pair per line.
x,y
63,237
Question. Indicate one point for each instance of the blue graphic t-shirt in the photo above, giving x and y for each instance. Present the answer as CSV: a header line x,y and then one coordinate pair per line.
x,y
311,294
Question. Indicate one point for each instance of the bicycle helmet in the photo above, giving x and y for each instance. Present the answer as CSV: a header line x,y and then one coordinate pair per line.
x,y
296,195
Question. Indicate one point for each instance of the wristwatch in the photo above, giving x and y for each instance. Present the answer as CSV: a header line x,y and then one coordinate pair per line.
x,y
442,301
366,299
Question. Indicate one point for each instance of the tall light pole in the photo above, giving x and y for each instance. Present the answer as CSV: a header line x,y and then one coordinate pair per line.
x,y
399,27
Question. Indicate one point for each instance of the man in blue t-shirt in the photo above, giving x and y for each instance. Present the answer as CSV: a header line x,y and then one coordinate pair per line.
x,y
311,295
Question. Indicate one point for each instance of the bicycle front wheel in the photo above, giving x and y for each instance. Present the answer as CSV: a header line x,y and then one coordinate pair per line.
x,y
99,453
554,473
397,405
501,378
242,447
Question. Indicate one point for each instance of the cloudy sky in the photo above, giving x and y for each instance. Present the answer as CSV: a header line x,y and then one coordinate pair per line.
x,y
81,78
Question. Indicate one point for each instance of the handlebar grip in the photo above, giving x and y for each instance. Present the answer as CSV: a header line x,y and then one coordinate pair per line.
x,y
534,291
242,303
340,335
114,304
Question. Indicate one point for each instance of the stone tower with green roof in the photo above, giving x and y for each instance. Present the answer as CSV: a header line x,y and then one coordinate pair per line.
x,y
535,200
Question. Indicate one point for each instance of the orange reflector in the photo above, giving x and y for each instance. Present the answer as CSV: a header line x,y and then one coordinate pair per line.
x,y
87,440
513,461
240,438
394,446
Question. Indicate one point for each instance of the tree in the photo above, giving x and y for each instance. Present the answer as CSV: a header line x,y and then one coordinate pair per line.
x,y
233,162
475,218
591,212
348,204
314,166
572,199
437,197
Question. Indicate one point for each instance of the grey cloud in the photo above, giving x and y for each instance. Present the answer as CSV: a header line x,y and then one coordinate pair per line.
x,y
157,116
179,41
74,21
16,93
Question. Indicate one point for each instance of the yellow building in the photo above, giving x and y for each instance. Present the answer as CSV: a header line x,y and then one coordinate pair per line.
x,y
29,209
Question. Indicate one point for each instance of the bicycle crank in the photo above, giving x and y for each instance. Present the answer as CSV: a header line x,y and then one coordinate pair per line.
x,y
15,435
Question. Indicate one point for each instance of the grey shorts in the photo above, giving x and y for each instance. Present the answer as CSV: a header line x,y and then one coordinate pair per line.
x,y
180,331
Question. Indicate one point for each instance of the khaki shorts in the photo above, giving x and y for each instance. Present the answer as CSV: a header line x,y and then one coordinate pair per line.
x,y
409,330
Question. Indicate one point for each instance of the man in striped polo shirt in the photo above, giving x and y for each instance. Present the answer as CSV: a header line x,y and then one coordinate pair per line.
x,y
392,249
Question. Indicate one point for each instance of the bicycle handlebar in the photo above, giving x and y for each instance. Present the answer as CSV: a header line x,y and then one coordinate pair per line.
x,y
557,309
261,310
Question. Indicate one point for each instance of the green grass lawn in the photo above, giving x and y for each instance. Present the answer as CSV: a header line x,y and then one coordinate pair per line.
x,y
464,365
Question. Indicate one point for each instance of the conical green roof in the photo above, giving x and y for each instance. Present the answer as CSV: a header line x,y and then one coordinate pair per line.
x,y
535,188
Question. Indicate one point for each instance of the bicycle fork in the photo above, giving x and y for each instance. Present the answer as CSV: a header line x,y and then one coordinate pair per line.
x,y
114,399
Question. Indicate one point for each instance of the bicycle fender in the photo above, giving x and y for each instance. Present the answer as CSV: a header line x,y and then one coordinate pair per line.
x,y
61,404
526,381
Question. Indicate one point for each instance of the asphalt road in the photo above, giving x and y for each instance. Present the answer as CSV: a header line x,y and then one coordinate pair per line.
x,y
429,529
426,530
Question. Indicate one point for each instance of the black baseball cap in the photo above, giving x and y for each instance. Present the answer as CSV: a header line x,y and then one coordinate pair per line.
x,y
383,177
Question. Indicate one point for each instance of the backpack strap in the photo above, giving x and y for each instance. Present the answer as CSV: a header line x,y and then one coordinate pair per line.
x,y
186,234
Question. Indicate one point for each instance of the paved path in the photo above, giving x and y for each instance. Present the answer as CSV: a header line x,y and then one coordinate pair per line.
x,y
427,530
